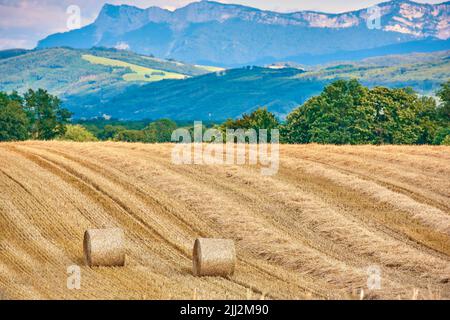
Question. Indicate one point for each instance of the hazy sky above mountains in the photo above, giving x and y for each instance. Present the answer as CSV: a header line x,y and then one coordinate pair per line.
x,y
24,22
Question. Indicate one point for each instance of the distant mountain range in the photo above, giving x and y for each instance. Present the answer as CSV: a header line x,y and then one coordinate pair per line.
x,y
233,35
125,85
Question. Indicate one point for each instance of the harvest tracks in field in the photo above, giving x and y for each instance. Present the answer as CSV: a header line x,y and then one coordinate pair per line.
x,y
311,231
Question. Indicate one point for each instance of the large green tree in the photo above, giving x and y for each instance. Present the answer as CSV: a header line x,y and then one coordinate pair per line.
x,y
48,118
14,123
259,119
443,133
444,95
160,131
348,113
338,116
402,117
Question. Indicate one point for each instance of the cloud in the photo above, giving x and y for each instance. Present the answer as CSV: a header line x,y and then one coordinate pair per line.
x,y
122,46
6,43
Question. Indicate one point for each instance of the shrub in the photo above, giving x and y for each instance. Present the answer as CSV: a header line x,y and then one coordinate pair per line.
x,y
78,133
446,141
130,136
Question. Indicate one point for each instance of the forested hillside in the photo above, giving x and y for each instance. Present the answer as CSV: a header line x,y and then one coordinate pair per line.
x,y
125,85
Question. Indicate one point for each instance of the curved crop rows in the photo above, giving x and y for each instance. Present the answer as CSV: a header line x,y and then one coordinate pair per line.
x,y
309,232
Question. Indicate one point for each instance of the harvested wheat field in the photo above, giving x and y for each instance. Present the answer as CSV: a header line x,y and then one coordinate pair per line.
x,y
310,232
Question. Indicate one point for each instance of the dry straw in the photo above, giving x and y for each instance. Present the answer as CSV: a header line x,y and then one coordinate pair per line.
x,y
104,247
214,257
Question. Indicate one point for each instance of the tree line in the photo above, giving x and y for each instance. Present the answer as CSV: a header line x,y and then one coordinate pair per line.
x,y
346,112
33,115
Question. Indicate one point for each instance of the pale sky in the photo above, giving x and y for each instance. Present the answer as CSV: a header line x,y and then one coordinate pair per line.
x,y
24,22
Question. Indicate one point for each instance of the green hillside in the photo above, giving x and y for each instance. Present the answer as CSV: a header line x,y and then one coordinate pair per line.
x,y
138,73
152,62
228,94
5,54
65,71
423,72
126,85
214,96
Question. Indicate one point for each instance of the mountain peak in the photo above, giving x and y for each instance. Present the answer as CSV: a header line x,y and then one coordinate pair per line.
x,y
115,11
112,8
206,4
400,2
109,10
119,19
209,32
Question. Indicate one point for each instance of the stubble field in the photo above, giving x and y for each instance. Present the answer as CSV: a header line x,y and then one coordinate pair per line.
x,y
313,231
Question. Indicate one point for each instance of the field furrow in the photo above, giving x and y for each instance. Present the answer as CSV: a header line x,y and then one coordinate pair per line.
x,y
311,231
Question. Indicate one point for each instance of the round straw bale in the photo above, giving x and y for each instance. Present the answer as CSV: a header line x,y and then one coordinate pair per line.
x,y
104,247
214,257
